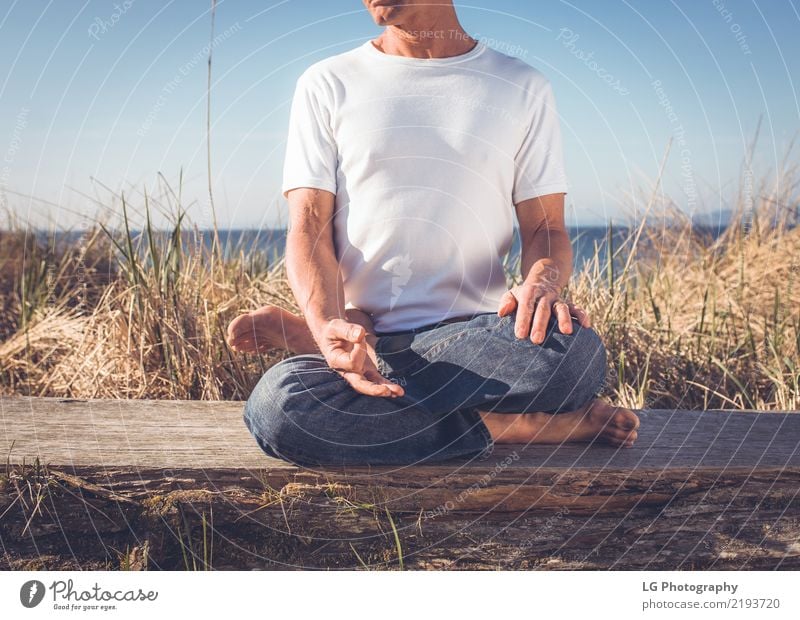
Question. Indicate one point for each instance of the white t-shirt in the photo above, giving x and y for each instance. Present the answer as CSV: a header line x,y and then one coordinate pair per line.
x,y
427,158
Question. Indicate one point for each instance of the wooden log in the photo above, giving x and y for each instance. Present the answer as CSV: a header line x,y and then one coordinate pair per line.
x,y
182,484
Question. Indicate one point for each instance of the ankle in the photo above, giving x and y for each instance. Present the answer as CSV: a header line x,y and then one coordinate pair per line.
x,y
541,427
512,427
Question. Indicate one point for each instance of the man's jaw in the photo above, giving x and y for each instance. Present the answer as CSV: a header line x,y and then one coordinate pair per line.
x,y
386,12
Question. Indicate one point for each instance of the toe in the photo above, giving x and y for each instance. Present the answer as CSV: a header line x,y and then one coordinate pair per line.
x,y
626,419
618,443
619,435
240,326
245,345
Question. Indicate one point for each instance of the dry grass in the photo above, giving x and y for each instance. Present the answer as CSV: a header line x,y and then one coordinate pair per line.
x,y
697,323
129,315
689,322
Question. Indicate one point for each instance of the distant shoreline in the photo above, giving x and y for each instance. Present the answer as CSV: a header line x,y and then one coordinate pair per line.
x,y
272,241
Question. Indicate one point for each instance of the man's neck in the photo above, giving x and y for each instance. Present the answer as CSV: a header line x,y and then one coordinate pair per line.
x,y
442,39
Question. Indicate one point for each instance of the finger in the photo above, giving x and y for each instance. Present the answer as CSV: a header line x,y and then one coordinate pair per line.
x,y
581,315
364,386
540,319
358,354
564,319
376,377
507,304
350,332
342,359
346,356
522,326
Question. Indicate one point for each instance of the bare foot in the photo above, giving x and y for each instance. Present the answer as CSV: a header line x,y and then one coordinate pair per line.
x,y
271,327
595,420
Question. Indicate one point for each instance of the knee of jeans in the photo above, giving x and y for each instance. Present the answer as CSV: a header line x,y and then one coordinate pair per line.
x,y
585,363
269,411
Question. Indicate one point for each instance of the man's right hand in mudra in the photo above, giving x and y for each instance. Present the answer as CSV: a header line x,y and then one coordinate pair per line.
x,y
347,351
348,345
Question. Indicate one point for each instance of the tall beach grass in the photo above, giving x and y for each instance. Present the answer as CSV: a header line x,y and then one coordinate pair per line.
x,y
689,321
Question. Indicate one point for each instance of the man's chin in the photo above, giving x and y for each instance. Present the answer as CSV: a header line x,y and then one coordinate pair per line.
x,y
387,15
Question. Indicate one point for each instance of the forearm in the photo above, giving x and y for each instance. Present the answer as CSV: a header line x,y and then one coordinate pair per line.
x,y
546,265
547,257
311,265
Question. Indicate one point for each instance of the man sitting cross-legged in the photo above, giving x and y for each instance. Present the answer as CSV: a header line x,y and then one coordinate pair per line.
x,y
407,160
273,327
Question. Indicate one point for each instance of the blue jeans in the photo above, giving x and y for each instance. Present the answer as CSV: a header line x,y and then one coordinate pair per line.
x,y
304,412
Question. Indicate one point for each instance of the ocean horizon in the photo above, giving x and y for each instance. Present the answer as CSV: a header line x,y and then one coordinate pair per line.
x,y
272,241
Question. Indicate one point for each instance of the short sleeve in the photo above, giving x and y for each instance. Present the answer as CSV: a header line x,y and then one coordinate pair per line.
x,y
311,154
539,163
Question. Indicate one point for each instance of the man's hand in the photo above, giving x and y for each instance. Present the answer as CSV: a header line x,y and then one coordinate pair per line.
x,y
534,302
346,350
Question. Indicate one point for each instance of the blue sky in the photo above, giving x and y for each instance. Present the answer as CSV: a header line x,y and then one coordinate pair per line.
x,y
102,97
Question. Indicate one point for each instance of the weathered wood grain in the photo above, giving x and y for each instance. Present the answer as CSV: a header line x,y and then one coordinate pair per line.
x,y
212,434
136,479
